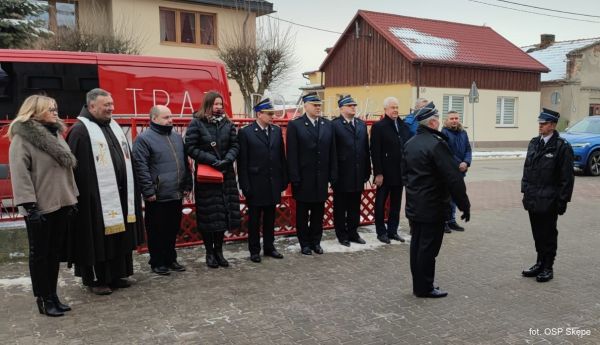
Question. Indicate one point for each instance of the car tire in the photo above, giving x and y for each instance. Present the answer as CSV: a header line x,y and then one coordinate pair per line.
x,y
593,164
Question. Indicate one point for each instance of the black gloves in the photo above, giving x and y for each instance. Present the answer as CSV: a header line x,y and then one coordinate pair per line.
x,y
221,164
466,216
33,213
562,208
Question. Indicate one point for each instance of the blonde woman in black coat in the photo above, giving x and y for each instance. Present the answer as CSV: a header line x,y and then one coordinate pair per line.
x,y
41,168
211,139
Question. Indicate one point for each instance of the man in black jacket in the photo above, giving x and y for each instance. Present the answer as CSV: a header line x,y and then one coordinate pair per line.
x,y
547,186
352,146
262,176
164,178
388,136
432,181
312,165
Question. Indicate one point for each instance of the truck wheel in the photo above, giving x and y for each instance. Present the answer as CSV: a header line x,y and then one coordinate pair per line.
x,y
593,164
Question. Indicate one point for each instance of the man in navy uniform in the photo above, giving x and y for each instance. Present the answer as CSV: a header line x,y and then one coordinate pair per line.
x,y
547,186
432,181
388,136
262,177
352,147
312,165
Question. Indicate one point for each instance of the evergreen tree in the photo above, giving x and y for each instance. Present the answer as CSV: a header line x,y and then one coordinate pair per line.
x,y
17,28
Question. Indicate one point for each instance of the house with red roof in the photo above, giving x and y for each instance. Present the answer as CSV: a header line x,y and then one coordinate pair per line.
x,y
573,85
381,54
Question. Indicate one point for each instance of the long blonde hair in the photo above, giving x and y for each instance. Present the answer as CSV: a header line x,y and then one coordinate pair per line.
x,y
32,107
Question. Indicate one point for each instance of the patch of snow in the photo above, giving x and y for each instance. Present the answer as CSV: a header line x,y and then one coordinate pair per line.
x,y
499,154
425,45
23,282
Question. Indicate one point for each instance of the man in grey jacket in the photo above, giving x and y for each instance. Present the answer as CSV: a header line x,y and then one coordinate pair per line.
x,y
164,178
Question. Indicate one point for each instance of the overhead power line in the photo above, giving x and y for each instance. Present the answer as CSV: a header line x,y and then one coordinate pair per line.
x,y
538,13
549,9
304,26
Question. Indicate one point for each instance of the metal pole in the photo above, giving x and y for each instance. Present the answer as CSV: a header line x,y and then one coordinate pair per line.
x,y
473,141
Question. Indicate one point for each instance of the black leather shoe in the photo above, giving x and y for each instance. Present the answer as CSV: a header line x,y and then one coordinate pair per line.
x,y
255,258
175,266
306,251
119,283
545,275
345,243
384,239
221,259
161,270
61,306
211,261
454,226
317,249
358,240
101,290
435,293
47,307
396,237
274,254
533,271
447,229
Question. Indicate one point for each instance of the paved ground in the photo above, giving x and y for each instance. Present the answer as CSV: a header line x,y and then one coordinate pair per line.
x,y
349,297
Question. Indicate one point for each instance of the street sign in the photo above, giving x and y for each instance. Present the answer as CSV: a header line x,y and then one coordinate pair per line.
x,y
474,94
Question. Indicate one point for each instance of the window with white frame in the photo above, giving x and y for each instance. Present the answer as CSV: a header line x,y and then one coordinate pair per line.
x,y
506,108
456,103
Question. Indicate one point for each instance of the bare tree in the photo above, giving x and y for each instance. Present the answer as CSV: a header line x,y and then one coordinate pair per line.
x,y
257,64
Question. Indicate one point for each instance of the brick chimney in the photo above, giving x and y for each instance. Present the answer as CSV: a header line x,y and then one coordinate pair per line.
x,y
546,40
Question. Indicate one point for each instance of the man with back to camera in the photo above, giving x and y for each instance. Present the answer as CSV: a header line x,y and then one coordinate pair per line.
x,y
432,180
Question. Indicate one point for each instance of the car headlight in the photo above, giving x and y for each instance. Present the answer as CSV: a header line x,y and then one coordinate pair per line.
x,y
580,145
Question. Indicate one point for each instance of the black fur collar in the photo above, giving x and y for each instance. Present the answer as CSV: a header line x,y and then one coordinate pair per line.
x,y
35,133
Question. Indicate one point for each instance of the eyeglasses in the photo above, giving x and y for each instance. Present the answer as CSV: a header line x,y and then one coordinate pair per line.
x,y
53,110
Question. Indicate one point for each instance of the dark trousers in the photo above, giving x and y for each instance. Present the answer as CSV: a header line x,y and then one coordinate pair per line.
x,y
545,235
425,246
309,235
268,228
46,246
163,221
213,241
346,215
395,194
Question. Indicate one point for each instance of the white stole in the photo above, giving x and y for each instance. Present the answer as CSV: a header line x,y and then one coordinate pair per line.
x,y
107,180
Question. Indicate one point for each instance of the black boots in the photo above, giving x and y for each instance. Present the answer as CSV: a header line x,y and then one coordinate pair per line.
x,y
211,261
48,307
545,275
220,258
61,306
533,270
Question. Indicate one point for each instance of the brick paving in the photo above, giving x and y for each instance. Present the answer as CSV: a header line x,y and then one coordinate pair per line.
x,y
348,297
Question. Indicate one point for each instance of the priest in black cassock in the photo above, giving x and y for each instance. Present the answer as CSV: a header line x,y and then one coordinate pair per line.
x,y
107,226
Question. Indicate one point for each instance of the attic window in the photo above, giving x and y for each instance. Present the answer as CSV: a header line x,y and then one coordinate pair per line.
x,y
187,28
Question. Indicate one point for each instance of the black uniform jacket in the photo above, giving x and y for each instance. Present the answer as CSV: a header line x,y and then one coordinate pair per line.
x,y
386,149
353,157
262,169
548,175
311,158
431,177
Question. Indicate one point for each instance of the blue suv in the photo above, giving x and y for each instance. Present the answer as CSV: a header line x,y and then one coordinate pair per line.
x,y
584,137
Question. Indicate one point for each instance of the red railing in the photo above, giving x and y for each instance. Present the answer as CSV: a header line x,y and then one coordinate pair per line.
x,y
189,235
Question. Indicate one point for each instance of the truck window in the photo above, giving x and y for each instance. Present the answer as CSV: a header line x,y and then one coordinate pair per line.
x,y
67,83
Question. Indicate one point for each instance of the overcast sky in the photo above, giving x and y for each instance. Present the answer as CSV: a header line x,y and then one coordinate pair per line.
x,y
519,27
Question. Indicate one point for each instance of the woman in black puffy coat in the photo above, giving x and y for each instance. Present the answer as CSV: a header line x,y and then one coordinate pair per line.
x,y
211,139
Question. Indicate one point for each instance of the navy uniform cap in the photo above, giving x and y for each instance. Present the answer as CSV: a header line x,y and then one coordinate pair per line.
x,y
548,115
264,105
346,100
312,97
426,112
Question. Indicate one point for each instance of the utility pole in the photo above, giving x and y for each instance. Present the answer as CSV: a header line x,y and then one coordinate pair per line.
x,y
473,98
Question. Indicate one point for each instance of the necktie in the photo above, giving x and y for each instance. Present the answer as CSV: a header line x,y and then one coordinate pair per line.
x,y
396,125
266,131
352,125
